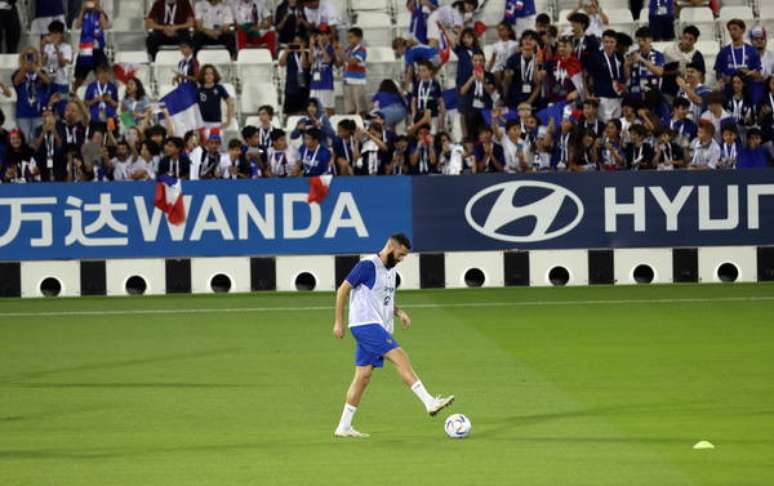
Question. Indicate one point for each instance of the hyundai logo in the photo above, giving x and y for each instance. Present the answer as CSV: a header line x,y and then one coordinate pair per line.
x,y
503,212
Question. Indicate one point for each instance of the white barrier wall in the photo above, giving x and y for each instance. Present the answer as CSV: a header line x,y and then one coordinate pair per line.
x,y
236,269
152,272
626,261
542,262
743,258
458,264
321,267
66,273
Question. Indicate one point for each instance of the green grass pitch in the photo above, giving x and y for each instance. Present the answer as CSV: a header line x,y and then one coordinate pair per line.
x,y
564,386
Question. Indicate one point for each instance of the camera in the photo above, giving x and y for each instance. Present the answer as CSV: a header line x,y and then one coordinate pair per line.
x,y
30,57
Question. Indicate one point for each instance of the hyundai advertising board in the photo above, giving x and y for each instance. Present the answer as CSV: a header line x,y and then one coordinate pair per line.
x,y
594,210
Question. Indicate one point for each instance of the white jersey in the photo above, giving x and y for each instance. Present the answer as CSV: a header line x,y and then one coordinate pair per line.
x,y
372,300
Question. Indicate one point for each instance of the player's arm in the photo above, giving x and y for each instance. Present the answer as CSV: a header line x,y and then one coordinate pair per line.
x,y
405,320
342,295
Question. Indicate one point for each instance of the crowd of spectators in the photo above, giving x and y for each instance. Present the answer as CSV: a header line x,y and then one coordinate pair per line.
x,y
581,98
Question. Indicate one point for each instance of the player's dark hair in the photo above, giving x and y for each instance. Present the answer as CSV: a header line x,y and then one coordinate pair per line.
x,y
314,133
644,33
401,239
234,143
543,19
56,27
692,30
268,109
696,66
176,141
249,132
738,22
682,103
610,33
356,31
580,18
276,134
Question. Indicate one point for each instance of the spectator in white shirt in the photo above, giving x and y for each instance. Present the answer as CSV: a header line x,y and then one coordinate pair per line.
x,y
320,13
715,113
214,26
758,39
122,162
254,24
705,151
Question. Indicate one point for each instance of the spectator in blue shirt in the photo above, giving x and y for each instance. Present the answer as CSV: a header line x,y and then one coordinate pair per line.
x,y
315,157
390,102
661,17
609,77
737,57
323,61
420,10
32,90
753,155
102,96
413,52
646,65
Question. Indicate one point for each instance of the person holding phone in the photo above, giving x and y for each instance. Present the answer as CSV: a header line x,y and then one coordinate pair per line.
x,y
31,83
93,22
296,60
48,149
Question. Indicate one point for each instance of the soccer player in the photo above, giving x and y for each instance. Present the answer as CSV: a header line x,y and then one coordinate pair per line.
x,y
371,284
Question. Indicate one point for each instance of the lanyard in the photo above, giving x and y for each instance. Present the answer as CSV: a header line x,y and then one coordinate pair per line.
x,y
32,95
638,159
72,136
668,153
579,47
265,134
478,89
174,166
313,160
679,130
528,70
613,77
169,13
347,146
182,66
423,94
297,56
738,110
50,145
424,165
352,50
744,57
729,151
565,140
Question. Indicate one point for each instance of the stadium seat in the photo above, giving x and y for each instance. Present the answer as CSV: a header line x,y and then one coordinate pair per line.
x,y
234,126
403,21
767,17
335,119
127,33
370,5
644,20
255,95
377,28
218,57
382,64
165,66
701,17
165,89
662,46
562,20
613,4
709,49
255,65
8,64
139,60
621,20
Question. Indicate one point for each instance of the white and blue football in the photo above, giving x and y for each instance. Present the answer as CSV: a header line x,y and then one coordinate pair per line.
x,y
457,426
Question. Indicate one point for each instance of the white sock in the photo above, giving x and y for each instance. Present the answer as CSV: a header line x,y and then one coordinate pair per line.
x,y
346,416
419,390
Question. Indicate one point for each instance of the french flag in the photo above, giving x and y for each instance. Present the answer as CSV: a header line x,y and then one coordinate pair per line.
x,y
169,198
183,106
318,188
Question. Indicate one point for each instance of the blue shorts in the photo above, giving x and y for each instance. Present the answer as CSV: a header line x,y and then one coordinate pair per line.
x,y
373,342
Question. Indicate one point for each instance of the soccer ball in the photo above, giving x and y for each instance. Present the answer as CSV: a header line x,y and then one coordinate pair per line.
x,y
457,426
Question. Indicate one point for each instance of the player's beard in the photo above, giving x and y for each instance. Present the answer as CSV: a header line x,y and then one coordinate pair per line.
x,y
391,260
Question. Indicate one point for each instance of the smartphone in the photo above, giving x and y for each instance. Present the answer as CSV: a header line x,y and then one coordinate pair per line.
x,y
478,70
30,57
